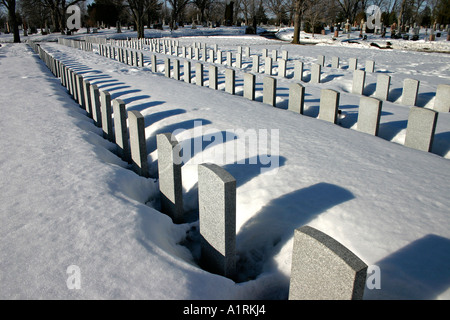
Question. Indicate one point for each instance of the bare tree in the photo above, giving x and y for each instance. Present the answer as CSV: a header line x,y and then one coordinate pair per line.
x,y
350,8
177,9
138,10
12,20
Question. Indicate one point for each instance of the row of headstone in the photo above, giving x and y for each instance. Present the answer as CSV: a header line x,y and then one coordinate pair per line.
x,y
124,55
421,124
322,268
111,116
410,88
369,110
409,93
82,45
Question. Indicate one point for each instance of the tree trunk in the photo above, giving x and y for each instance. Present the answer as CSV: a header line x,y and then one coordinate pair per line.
x,y
297,22
12,19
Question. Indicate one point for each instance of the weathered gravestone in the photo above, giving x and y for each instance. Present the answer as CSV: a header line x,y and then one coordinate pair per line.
x,y
199,74
359,79
329,103
296,97
383,85
282,68
298,70
369,115
249,86
420,128
96,108
352,64
167,67
138,147
80,91
121,130
315,73
87,97
255,64
442,99
321,60
370,66
213,84
238,63
268,66
324,269
154,64
106,113
269,90
217,219
176,69
169,173
410,90
335,62
230,81
187,71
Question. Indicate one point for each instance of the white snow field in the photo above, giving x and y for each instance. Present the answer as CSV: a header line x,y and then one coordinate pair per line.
x,y
67,201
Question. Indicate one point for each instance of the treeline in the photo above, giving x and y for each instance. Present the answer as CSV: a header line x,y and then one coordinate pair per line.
x,y
51,16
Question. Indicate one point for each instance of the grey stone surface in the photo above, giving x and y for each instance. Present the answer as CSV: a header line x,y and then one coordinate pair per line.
x,y
264,53
229,59
421,128
359,80
217,219
383,86
269,90
121,130
212,56
323,269
369,114
138,147
106,113
255,64
176,69
96,108
352,64
213,77
410,91
335,62
316,70
219,58
169,173
167,67
370,66
285,55
274,55
321,60
296,97
329,103
238,60
187,71
298,70
87,97
268,66
199,74
154,63
80,91
230,81
141,59
442,99
249,86
282,68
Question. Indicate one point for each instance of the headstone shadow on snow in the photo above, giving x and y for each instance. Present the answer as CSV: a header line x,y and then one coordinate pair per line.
x,y
418,271
263,236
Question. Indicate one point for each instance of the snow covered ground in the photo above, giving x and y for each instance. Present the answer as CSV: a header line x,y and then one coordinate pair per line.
x,y
68,200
